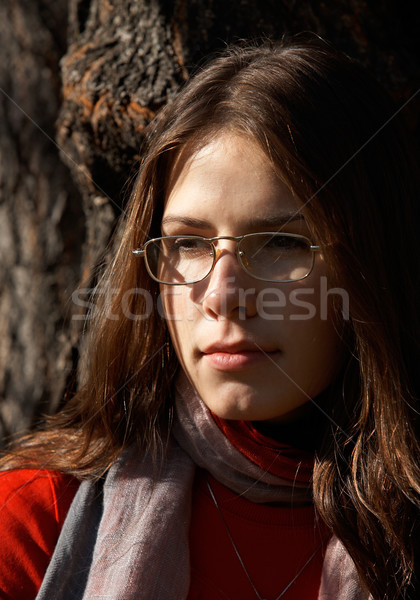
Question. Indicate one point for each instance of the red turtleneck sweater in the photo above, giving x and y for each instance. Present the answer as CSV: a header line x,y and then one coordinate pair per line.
x,y
273,542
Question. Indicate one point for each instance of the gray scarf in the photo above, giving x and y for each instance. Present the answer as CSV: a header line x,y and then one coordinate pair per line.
x,y
127,537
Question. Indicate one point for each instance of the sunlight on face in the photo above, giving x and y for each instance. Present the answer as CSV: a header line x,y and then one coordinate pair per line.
x,y
245,362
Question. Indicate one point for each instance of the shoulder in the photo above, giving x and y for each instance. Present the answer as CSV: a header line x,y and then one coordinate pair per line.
x,y
39,487
33,506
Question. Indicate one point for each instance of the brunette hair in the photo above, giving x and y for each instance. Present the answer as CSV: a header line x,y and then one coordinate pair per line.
x,y
332,135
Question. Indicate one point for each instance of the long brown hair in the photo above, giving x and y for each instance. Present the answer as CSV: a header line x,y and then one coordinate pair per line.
x,y
332,134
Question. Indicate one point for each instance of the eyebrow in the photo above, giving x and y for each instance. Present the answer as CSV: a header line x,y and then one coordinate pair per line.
x,y
270,221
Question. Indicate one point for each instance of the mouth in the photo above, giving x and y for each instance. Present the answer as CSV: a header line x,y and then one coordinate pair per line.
x,y
239,356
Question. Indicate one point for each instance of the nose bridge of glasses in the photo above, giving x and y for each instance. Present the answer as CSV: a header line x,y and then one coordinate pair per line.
x,y
219,252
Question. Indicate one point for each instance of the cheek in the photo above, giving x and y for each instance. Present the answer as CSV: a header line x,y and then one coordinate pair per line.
x,y
177,305
313,332
315,351
316,342
179,313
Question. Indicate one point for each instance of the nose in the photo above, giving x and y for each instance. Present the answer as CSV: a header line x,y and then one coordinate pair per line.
x,y
230,292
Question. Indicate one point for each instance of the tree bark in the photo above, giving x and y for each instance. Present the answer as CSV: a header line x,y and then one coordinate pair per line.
x,y
124,60
41,221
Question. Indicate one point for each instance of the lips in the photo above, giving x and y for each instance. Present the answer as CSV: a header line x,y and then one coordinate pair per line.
x,y
236,356
238,347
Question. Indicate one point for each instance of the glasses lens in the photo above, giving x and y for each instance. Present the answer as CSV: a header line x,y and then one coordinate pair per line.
x,y
179,259
276,256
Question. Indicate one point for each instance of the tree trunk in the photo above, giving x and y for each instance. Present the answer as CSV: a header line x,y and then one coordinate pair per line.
x,y
41,221
124,60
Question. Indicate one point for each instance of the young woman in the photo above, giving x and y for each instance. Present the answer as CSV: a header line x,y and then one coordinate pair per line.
x,y
248,424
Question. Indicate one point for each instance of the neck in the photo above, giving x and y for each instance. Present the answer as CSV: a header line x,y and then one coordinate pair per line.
x,y
305,433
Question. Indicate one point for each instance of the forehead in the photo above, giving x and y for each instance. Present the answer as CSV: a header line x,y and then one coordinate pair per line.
x,y
229,177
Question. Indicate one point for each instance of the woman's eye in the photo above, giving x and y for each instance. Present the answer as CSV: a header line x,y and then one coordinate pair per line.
x,y
185,244
278,242
191,247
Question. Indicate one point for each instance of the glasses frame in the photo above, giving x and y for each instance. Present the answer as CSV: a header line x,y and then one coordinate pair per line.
x,y
238,239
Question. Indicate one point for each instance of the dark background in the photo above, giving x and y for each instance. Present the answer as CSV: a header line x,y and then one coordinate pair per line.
x,y
79,81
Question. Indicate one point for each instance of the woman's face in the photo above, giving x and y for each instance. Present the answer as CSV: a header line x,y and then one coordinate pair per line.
x,y
254,350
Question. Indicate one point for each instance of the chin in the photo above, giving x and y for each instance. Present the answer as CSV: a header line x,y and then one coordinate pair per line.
x,y
240,412
232,411
253,410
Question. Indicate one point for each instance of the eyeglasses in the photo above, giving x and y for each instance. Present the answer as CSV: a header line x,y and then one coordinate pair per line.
x,y
268,256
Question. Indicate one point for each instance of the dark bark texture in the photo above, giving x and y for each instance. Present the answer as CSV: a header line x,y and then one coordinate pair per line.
x,y
121,60
41,218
